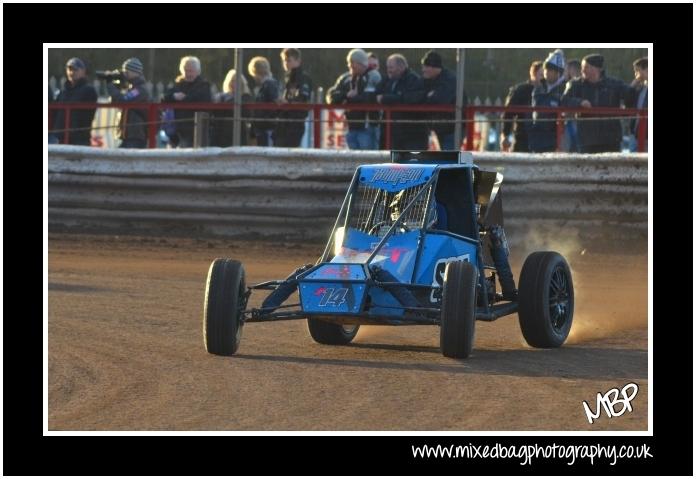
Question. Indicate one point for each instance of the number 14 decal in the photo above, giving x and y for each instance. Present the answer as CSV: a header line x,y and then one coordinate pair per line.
x,y
333,297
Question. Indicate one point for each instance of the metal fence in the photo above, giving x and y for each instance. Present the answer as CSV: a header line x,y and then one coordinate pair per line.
x,y
323,116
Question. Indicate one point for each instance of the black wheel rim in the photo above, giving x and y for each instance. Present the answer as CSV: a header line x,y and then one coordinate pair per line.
x,y
559,298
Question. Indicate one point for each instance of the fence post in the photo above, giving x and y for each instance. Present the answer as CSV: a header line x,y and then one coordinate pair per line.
x,y
316,113
388,130
201,120
237,125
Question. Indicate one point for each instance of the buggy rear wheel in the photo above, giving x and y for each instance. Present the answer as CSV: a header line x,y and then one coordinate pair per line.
x,y
324,332
458,314
546,300
224,301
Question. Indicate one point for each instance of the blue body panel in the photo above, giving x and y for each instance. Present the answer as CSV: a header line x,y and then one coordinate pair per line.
x,y
342,272
438,250
394,177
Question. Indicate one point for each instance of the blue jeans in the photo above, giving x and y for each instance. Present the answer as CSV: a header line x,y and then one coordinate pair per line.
x,y
571,136
363,139
265,138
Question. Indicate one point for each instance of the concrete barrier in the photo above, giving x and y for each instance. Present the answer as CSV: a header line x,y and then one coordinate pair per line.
x,y
296,193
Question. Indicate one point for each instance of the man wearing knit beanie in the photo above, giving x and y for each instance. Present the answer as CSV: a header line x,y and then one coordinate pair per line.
x,y
542,131
133,65
132,121
440,86
595,89
595,59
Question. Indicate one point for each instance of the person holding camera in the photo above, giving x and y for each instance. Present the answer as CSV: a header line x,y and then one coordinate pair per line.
x,y
75,89
131,88
189,87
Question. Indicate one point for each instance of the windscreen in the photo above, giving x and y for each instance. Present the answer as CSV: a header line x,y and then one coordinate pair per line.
x,y
372,212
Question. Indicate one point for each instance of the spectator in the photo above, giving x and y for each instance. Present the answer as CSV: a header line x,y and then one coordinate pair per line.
x,y
440,87
519,123
542,134
373,64
75,89
223,130
357,85
189,87
132,121
595,89
298,89
404,87
572,69
267,92
570,135
640,85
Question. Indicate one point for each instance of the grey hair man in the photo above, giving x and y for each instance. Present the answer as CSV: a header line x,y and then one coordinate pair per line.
x,y
189,87
404,87
358,86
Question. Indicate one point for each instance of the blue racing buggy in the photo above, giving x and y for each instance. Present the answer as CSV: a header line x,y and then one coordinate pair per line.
x,y
417,241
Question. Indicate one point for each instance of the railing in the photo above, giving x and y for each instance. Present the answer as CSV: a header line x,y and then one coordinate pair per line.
x,y
468,115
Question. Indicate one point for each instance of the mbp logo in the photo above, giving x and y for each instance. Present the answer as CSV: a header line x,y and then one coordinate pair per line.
x,y
609,400
439,272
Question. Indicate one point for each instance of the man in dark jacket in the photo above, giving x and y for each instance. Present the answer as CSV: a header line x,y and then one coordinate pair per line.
x,y
298,89
440,87
76,89
358,85
640,86
189,87
132,121
519,123
542,134
404,87
595,89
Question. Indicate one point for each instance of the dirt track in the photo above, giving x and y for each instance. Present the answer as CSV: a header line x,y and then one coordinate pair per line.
x,y
126,352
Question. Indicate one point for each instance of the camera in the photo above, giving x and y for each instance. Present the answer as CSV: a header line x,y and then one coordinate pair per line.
x,y
111,76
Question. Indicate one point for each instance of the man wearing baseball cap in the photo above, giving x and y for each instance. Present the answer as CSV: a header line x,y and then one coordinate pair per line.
x,y
595,89
132,121
76,89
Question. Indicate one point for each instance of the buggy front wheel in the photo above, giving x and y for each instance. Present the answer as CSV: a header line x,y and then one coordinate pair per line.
x,y
224,301
458,314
